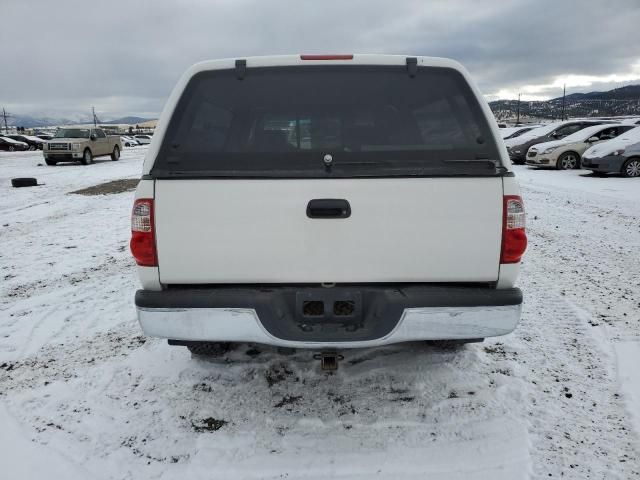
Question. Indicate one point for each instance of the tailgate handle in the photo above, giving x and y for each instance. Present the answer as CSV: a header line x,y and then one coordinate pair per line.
x,y
328,208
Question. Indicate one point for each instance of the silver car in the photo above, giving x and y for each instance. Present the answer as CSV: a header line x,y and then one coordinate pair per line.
x,y
566,153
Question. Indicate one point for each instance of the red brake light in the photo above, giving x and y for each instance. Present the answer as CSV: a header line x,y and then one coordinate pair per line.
x,y
143,241
326,57
514,237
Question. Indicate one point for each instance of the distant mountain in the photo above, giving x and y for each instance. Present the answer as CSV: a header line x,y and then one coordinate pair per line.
x,y
616,102
630,92
127,120
29,121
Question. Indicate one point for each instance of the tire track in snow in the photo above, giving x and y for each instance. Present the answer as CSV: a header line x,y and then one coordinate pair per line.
x,y
579,424
578,421
50,311
111,266
63,361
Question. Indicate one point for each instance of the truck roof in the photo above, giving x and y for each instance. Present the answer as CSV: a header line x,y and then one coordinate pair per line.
x,y
304,59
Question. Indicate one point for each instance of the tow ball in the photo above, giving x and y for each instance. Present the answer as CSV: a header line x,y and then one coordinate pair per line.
x,y
328,360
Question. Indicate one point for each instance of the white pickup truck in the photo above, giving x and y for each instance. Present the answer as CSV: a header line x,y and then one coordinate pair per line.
x,y
325,202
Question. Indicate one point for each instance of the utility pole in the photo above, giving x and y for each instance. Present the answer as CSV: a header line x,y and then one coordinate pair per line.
x,y
5,115
95,119
564,93
518,118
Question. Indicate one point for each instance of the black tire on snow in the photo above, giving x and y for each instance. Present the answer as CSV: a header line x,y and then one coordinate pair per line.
x,y
24,182
50,162
87,159
209,349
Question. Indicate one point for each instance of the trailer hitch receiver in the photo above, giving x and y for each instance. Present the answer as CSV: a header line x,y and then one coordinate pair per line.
x,y
328,360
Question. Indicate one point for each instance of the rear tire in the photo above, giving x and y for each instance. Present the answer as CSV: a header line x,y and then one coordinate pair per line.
x,y
87,157
115,155
631,168
568,161
12,148
209,349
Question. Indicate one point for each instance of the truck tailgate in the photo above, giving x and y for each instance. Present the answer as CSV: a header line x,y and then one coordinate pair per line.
x,y
257,231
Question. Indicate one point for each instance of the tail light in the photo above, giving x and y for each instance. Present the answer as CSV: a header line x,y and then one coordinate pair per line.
x,y
143,241
514,237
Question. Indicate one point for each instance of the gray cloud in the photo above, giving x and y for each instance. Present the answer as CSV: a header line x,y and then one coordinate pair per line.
x,y
124,57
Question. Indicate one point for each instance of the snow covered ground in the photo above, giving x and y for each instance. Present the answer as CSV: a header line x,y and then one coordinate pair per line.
x,y
84,395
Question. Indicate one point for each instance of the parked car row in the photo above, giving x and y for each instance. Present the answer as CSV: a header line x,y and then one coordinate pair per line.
x,y
572,144
33,142
12,142
513,132
9,145
566,153
518,147
21,142
135,140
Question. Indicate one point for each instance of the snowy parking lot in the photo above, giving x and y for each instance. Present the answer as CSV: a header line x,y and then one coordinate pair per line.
x,y
84,395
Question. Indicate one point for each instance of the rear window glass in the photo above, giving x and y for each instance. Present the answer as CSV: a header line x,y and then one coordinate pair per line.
x,y
282,122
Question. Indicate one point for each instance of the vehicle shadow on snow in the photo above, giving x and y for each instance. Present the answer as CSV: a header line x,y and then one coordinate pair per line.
x,y
95,161
601,176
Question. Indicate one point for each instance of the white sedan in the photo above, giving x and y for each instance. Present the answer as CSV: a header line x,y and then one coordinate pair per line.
x,y
128,141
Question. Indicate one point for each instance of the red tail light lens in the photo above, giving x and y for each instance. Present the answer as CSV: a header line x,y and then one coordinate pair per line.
x,y
514,237
326,57
143,241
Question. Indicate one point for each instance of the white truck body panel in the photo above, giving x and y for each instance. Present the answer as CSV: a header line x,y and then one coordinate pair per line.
x,y
400,230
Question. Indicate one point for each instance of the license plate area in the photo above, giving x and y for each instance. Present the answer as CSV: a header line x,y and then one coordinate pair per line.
x,y
324,309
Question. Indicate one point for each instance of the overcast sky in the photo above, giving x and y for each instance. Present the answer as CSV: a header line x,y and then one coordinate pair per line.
x,y
59,57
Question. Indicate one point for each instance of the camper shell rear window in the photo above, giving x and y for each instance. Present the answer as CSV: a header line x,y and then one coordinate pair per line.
x,y
327,122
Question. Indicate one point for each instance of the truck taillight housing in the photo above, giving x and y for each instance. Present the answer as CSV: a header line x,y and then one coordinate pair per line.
x,y
514,237
143,241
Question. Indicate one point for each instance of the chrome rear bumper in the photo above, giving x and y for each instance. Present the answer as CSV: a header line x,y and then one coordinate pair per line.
x,y
411,323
